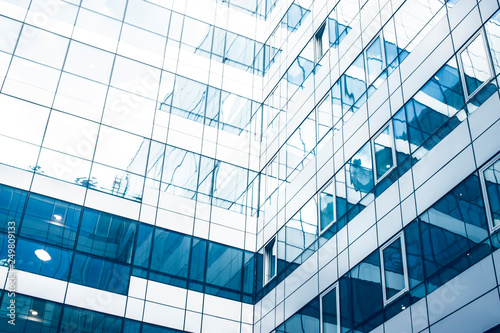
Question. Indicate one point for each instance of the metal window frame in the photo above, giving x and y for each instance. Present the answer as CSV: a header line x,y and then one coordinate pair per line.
x,y
393,150
331,182
382,51
271,245
487,206
400,236
337,299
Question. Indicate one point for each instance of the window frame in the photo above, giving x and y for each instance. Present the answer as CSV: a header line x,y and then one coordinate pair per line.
x,y
480,34
320,49
393,151
337,299
400,236
484,191
380,35
270,248
331,183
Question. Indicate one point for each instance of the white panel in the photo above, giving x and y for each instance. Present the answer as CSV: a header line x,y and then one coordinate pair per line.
x,y
355,122
450,146
268,322
400,323
111,204
479,316
362,222
487,8
222,307
280,313
175,221
192,322
164,315
280,292
328,251
343,262
247,313
148,214
466,28
408,210
213,324
40,286
95,299
268,302
461,290
356,141
389,225
228,218
301,274
301,297
194,301
379,117
58,189
419,318
487,144
444,180
4,271
363,246
484,116
406,184
135,308
342,239
166,294
137,287
227,236
459,10
328,275
15,177
387,200
201,229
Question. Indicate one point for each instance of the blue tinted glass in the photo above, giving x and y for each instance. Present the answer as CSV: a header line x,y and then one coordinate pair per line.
x,y
239,51
11,207
170,252
143,245
218,44
306,320
224,265
180,168
374,60
414,254
392,257
197,261
294,17
400,136
329,312
213,107
492,182
50,220
155,160
107,235
299,71
32,257
100,274
89,321
360,174
189,99
31,315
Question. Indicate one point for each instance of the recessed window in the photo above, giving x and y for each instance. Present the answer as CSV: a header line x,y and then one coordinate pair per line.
x,y
320,43
330,318
326,206
270,260
475,65
394,269
490,179
384,153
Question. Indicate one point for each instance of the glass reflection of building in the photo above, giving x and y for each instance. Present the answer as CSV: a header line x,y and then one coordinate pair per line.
x,y
250,165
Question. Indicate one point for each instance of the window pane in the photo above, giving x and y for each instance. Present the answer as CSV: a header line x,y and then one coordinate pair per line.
x,y
475,65
329,311
492,180
393,269
383,152
326,214
374,60
170,253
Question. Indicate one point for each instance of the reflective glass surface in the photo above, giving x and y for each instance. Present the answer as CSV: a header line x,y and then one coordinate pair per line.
x,y
475,64
492,181
329,312
394,276
383,151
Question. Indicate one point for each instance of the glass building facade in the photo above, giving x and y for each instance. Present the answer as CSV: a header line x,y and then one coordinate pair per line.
x,y
249,166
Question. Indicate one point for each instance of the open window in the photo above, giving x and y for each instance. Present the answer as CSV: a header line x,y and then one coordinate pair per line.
x,y
326,206
384,154
394,269
270,260
320,43
475,64
490,180
329,315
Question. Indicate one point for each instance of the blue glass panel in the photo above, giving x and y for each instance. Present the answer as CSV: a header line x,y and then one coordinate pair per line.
x,y
100,274
170,253
492,182
189,99
329,312
239,51
414,254
401,136
197,260
360,174
294,17
155,160
106,235
224,266
393,269
299,71
11,207
218,44
89,321
180,169
142,251
29,257
50,220
31,315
